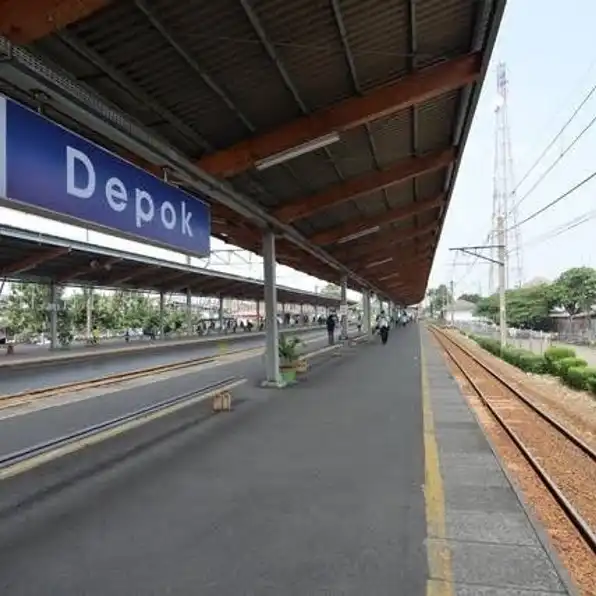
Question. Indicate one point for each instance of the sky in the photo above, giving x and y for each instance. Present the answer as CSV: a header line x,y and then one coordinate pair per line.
x,y
551,67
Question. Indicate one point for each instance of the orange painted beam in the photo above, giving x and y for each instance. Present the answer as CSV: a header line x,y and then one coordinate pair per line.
x,y
398,173
354,228
400,259
348,114
384,241
26,21
33,261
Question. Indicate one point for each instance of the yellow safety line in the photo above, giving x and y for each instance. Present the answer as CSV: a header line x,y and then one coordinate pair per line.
x,y
48,456
440,581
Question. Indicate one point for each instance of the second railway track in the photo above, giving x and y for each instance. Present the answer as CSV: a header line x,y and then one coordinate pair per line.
x,y
26,396
563,462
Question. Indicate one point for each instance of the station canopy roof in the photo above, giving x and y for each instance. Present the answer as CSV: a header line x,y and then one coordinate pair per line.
x,y
338,123
33,257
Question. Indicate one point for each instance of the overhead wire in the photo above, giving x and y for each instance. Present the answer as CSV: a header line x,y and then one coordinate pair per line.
x,y
543,176
555,201
555,138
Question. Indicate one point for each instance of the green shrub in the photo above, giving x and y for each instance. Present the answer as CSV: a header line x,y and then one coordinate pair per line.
x,y
533,363
490,345
575,377
560,367
591,383
554,354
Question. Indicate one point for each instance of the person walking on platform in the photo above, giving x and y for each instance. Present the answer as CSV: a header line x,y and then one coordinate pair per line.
x,y
331,328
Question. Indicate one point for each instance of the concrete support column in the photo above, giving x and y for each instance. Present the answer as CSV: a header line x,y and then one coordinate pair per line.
x,y
162,313
369,325
343,309
222,328
365,311
189,330
272,376
89,307
53,316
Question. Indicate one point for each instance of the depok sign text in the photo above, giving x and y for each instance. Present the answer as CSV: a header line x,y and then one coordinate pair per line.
x,y
47,169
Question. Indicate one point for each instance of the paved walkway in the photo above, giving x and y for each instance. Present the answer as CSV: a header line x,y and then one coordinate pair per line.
x,y
478,526
318,489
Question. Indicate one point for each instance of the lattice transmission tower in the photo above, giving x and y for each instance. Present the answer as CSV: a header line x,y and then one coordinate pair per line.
x,y
504,194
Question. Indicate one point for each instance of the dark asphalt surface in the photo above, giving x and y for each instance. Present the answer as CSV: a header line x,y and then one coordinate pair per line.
x,y
15,381
313,490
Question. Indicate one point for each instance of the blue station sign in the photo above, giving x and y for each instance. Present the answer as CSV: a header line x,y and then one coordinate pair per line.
x,y
48,170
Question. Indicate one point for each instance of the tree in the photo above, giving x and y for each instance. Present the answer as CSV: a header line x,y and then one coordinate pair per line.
x,y
439,298
27,308
331,290
575,290
473,298
527,308
530,307
488,308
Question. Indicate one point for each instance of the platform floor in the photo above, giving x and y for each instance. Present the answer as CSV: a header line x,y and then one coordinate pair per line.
x,y
329,487
490,544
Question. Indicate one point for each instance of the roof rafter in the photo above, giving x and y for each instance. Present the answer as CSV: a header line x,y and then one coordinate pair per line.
x,y
346,115
352,230
402,171
26,21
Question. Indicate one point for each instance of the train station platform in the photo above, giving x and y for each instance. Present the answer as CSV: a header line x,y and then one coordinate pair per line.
x,y
371,477
27,356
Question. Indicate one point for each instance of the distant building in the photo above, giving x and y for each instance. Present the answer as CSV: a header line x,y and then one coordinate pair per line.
x,y
463,312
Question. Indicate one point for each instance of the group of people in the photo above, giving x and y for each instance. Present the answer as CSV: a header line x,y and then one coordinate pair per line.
x,y
383,323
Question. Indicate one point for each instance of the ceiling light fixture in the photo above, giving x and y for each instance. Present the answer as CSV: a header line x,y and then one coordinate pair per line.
x,y
378,263
283,156
357,235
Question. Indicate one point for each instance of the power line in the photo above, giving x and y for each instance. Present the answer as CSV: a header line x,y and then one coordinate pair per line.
x,y
556,137
555,163
557,200
562,229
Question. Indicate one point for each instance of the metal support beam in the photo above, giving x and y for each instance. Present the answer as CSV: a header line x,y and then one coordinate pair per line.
x,y
89,307
221,314
53,316
161,315
351,113
354,230
343,307
189,330
371,182
272,374
369,325
24,22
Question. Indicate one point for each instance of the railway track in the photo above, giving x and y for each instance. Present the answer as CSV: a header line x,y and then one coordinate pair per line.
x,y
564,464
24,397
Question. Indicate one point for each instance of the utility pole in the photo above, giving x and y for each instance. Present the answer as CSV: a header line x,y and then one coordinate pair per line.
x,y
501,262
452,301
502,281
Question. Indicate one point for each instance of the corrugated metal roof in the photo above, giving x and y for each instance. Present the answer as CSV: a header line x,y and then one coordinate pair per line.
x,y
207,75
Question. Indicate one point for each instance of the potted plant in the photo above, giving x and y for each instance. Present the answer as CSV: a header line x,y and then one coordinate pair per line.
x,y
288,357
